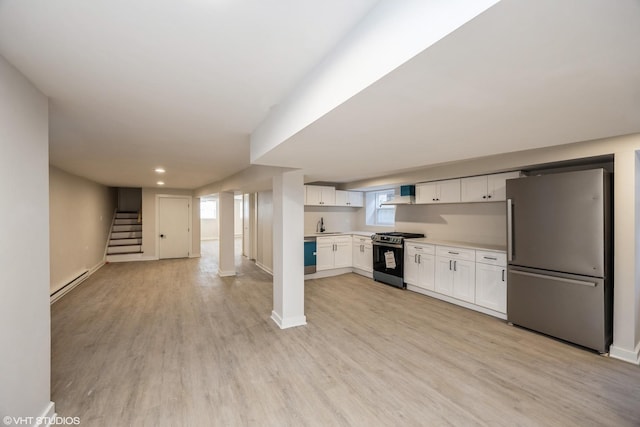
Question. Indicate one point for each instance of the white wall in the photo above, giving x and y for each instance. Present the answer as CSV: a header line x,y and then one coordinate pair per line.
x,y
149,212
335,218
264,255
209,229
626,335
237,217
80,215
25,331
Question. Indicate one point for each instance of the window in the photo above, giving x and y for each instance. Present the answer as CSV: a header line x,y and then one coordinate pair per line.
x,y
208,209
378,214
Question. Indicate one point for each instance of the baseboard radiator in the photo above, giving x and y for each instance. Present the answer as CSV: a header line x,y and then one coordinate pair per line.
x,y
68,287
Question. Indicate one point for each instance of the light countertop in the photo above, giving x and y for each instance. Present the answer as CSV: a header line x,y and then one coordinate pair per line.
x,y
467,245
341,233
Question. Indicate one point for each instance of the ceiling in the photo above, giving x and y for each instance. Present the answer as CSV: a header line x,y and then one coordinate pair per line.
x,y
521,75
134,85
138,84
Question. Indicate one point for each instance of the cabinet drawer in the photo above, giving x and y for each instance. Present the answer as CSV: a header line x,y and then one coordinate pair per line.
x,y
493,258
456,253
343,239
361,239
422,249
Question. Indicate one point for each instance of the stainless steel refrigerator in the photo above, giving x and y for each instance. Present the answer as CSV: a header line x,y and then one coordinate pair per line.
x,y
559,278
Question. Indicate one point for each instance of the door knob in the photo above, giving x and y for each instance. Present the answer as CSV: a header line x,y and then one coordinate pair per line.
x,y
162,236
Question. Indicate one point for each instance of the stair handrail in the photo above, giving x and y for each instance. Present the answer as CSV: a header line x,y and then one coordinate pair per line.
x,y
106,245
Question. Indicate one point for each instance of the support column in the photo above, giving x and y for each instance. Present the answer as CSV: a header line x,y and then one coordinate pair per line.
x,y
626,291
288,253
226,262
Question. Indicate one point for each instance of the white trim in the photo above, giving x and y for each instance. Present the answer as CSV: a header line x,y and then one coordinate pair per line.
x,y
289,322
365,273
173,196
62,291
106,245
129,257
328,273
194,256
456,301
264,268
48,414
226,273
630,356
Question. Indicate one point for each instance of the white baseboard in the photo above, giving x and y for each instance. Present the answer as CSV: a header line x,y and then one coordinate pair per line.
x,y
455,301
264,268
289,322
63,291
129,258
194,256
630,356
364,273
328,273
226,273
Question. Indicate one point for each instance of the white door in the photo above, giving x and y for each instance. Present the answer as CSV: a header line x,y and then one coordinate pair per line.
x,y
173,227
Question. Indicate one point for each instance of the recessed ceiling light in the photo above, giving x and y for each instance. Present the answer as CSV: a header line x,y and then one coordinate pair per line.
x,y
159,170
160,182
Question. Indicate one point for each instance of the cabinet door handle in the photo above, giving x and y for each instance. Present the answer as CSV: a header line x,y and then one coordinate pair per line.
x,y
450,265
455,265
503,275
419,259
415,258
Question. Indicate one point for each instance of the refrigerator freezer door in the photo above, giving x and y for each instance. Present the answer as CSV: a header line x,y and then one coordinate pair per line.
x,y
557,222
565,306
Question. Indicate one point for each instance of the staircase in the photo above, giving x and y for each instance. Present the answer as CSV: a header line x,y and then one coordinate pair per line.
x,y
126,237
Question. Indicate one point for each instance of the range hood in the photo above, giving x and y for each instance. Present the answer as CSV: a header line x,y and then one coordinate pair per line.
x,y
407,196
400,200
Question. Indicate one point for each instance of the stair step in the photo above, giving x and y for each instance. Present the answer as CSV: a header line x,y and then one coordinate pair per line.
x,y
124,249
120,215
126,234
138,256
127,227
123,221
122,242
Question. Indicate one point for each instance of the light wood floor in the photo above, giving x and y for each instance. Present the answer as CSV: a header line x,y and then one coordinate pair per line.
x,y
169,343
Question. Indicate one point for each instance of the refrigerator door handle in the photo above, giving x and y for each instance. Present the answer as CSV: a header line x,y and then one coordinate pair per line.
x,y
559,279
509,230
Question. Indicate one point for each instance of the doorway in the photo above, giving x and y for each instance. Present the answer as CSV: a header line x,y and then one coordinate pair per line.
x,y
174,227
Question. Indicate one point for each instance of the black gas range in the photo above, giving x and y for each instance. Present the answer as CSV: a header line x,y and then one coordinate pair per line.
x,y
388,257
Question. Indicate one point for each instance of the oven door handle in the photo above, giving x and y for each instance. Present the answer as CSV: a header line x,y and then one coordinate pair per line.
x,y
388,245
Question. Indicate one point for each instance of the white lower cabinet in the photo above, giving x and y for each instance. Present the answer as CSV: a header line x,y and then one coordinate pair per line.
x,y
362,253
456,272
475,279
491,281
419,266
333,252
456,278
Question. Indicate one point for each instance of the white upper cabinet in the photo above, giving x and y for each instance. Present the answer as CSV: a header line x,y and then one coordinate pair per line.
x,y
486,188
497,185
447,191
353,199
319,195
